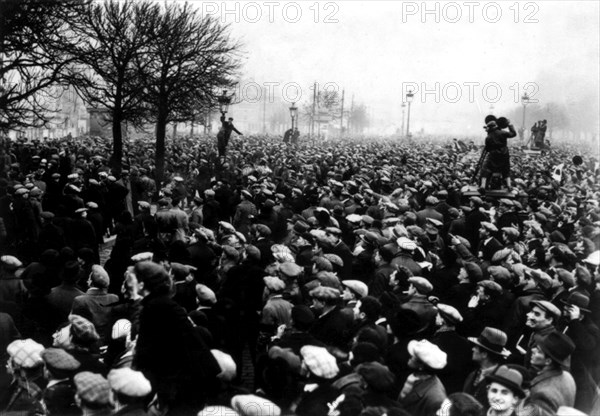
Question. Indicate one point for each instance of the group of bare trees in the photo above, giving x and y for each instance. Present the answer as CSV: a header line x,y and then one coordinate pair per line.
x,y
142,61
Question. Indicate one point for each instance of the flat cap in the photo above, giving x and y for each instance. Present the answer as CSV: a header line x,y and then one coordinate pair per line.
x,y
549,307
93,388
356,286
490,285
129,382
290,269
449,313
422,285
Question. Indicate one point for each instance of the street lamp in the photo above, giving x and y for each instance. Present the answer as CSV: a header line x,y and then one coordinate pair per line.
x,y
293,113
224,102
409,98
525,100
403,107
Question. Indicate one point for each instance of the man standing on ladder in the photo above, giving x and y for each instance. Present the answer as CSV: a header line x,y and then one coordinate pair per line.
x,y
225,133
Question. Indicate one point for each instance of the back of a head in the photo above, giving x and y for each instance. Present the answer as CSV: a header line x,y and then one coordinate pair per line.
x,y
70,272
154,276
464,404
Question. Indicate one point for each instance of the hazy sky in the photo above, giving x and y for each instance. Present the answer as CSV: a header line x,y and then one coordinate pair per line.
x,y
468,54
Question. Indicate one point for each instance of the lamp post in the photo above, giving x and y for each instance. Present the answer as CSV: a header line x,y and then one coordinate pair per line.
x,y
524,100
409,99
224,102
403,107
293,113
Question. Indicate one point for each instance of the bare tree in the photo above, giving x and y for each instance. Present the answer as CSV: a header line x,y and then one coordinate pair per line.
x,y
190,59
32,58
109,48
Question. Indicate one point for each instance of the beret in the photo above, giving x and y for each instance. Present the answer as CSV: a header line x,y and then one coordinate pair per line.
x,y
25,353
356,286
99,276
290,269
129,382
93,388
490,285
421,284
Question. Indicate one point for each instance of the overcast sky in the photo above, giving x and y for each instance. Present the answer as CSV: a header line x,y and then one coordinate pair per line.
x,y
470,53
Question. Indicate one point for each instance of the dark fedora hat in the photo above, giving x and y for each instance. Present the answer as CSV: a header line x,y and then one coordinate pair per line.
x,y
493,340
578,299
509,378
558,347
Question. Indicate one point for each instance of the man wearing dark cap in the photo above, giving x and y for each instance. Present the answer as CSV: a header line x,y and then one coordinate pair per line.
x,y
333,327
381,278
244,212
334,244
429,211
488,354
553,385
457,347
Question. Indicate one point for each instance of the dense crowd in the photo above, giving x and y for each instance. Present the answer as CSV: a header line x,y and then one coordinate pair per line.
x,y
353,277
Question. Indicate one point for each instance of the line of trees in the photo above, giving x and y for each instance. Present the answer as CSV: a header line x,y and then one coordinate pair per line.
x,y
141,61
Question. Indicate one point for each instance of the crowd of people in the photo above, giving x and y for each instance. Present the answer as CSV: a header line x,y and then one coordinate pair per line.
x,y
351,277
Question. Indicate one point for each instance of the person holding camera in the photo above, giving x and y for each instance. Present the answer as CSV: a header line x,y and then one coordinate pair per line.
x,y
496,146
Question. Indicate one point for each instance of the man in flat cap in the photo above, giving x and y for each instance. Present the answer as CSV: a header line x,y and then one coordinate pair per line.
x,y
488,244
416,299
541,320
333,244
429,211
93,394
332,326
59,394
457,347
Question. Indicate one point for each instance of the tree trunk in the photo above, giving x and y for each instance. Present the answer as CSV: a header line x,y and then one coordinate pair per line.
x,y
117,155
161,132
174,130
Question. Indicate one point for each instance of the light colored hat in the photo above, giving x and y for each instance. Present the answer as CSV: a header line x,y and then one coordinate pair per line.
x,y
205,293
218,411
59,359
93,388
319,361
358,287
428,353
121,329
99,276
274,284
423,285
25,353
251,405
227,365
227,226
548,307
593,258
406,244
290,269
145,256
449,313
10,262
489,226
129,382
